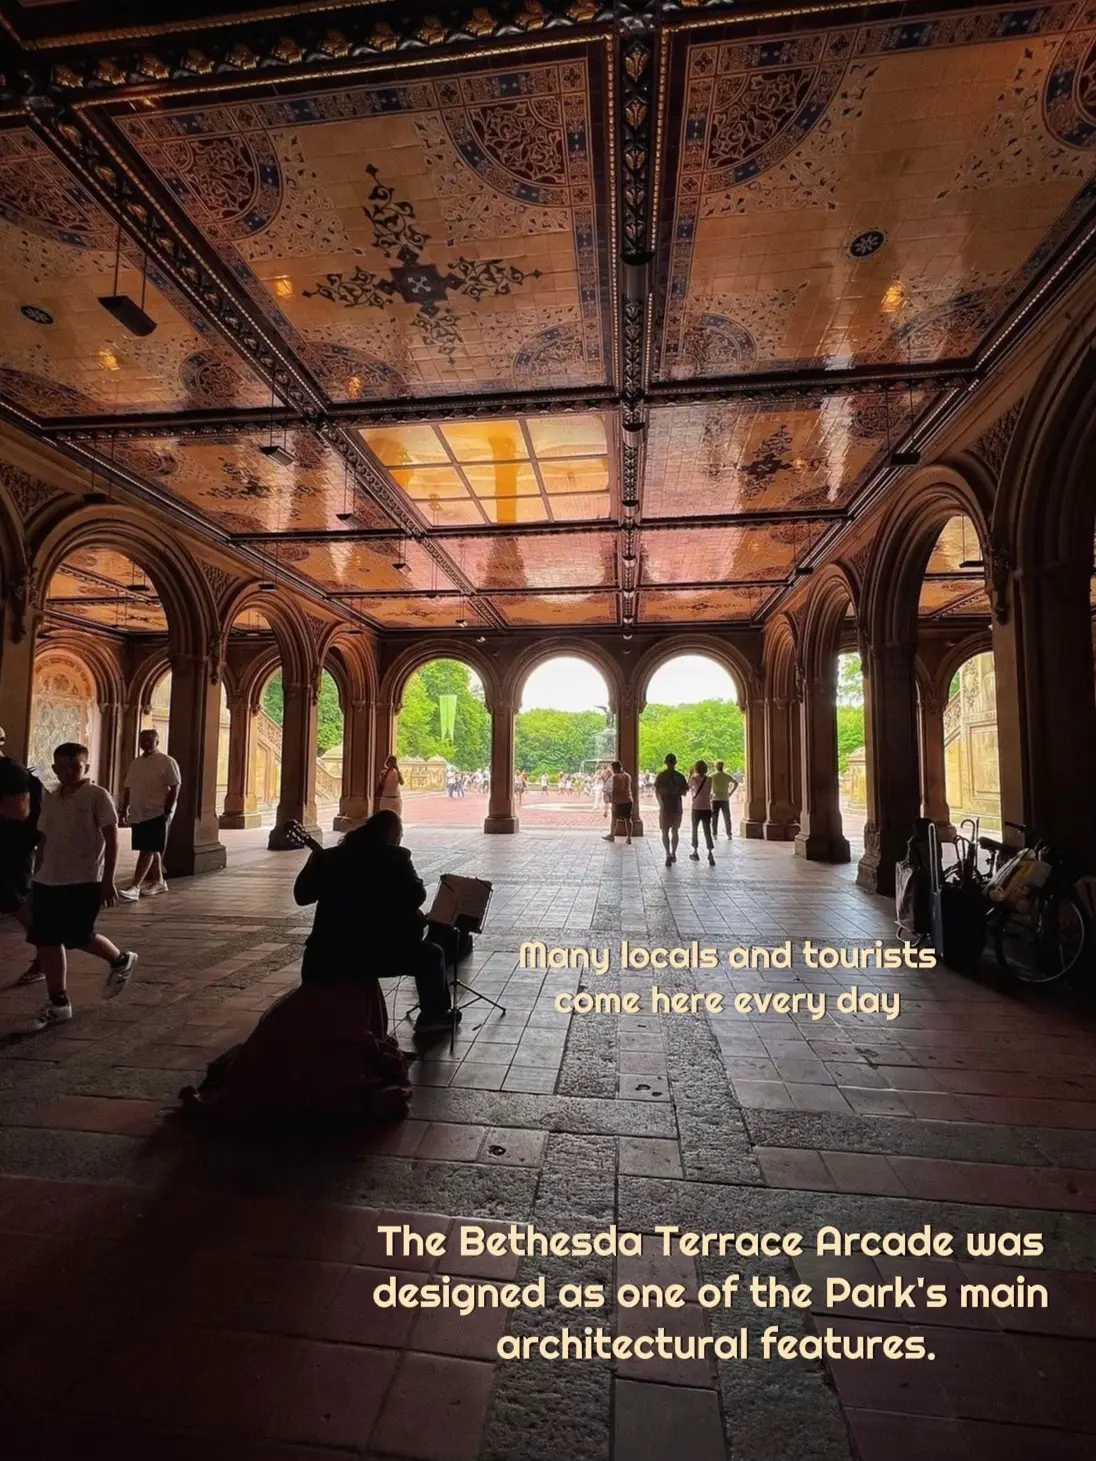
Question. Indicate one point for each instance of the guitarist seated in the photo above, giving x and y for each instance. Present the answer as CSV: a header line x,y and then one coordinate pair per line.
x,y
369,923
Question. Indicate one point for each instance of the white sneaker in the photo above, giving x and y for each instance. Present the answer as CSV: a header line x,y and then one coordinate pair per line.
x,y
119,974
130,895
51,1014
154,890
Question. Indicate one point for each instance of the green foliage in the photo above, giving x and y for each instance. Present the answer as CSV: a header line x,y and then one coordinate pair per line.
x,y
329,717
709,730
553,741
850,732
850,680
953,688
418,732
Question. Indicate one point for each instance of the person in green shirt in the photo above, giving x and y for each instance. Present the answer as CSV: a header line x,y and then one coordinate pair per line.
x,y
724,787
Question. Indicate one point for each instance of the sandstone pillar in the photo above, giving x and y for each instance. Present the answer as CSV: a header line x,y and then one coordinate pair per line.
x,y
110,772
357,776
934,795
240,809
500,809
193,845
782,818
1046,703
297,795
894,786
821,837
628,751
18,629
755,790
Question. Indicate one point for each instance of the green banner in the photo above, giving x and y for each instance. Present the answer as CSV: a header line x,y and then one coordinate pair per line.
x,y
447,716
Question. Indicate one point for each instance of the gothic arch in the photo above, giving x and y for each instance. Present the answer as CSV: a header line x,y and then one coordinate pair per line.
x,y
778,658
979,642
183,591
904,541
291,633
104,668
555,648
831,592
741,671
415,656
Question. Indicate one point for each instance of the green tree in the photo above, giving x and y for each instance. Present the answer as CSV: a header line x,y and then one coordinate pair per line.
x,y
850,680
553,741
418,732
850,732
708,730
329,717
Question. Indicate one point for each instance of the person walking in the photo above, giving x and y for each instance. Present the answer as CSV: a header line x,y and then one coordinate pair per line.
x,y
724,786
149,795
20,807
621,793
73,879
700,784
389,797
670,789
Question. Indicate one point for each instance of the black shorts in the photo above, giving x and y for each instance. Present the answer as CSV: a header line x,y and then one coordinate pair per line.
x,y
622,811
64,916
150,836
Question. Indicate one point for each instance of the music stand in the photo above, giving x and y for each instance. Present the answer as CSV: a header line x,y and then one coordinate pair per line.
x,y
461,904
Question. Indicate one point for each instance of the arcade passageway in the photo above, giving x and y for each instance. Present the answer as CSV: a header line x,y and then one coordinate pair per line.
x,y
167,1294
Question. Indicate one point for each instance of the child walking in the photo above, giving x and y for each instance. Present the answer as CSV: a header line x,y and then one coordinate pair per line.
x,y
73,878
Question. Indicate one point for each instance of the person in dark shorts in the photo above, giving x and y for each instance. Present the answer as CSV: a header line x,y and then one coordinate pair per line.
x,y
148,800
20,808
700,784
73,878
670,789
621,793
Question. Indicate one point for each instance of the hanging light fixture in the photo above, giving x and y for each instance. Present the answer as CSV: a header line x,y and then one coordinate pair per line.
x,y
277,451
909,455
130,315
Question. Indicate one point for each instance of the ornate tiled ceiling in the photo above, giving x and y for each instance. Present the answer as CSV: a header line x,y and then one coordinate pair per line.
x,y
412,247
955,583
419,237
873,193
97,589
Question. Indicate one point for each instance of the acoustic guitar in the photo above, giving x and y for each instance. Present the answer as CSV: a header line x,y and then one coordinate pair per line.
x,y
296,834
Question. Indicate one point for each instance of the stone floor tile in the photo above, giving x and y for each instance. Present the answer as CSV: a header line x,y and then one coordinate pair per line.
x,y
649,1156
435,1410
334,1396
514,1147
662,1423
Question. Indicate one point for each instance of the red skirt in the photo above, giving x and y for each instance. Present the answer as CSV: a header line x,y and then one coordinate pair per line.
x,y
323,1050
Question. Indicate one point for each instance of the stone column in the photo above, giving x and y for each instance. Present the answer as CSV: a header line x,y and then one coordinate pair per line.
x,y
753,823
297,794
782,821
18,629
1046,702
384,741
110,772
628,750
127,735
821,837
894,785
193,845
934,795
240,809
500,809
357,779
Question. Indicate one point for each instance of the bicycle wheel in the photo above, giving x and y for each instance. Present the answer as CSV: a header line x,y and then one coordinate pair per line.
x,y
1044,943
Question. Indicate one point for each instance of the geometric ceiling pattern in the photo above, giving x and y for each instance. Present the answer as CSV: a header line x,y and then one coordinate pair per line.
x,y
549,326
94,588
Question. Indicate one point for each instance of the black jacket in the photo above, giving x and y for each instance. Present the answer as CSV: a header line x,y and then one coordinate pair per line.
x,y
368,903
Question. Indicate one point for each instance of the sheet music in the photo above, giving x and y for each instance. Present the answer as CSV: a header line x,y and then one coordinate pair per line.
x,y
459,897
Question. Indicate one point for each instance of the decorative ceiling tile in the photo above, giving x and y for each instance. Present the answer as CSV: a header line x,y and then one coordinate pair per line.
x,y
712,555
413,237
574,609
350,567
881,192
419,611
61,353
663,606
537,561
104,589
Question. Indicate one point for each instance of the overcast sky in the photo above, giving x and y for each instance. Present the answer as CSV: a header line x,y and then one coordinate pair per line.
x,y
573,684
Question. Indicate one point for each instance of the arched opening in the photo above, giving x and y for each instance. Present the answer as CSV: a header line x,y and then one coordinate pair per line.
x,y
330,730
565,740
957,698
156,710
693,710
829,629
64,707
443,745
252,713
852,767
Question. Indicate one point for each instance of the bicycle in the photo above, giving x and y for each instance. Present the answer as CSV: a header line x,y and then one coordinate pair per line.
x,y
1036,919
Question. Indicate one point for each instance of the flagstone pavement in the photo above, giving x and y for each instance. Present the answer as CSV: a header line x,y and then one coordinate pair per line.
x,y
168,1294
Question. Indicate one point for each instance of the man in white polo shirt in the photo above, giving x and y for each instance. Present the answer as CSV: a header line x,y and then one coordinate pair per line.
x,y
148,800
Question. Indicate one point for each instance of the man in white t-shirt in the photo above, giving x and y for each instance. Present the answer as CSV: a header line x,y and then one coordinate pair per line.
x,y
148,800
73,878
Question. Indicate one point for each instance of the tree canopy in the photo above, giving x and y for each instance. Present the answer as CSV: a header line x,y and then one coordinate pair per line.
x,y
707,730
418,731
329,716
